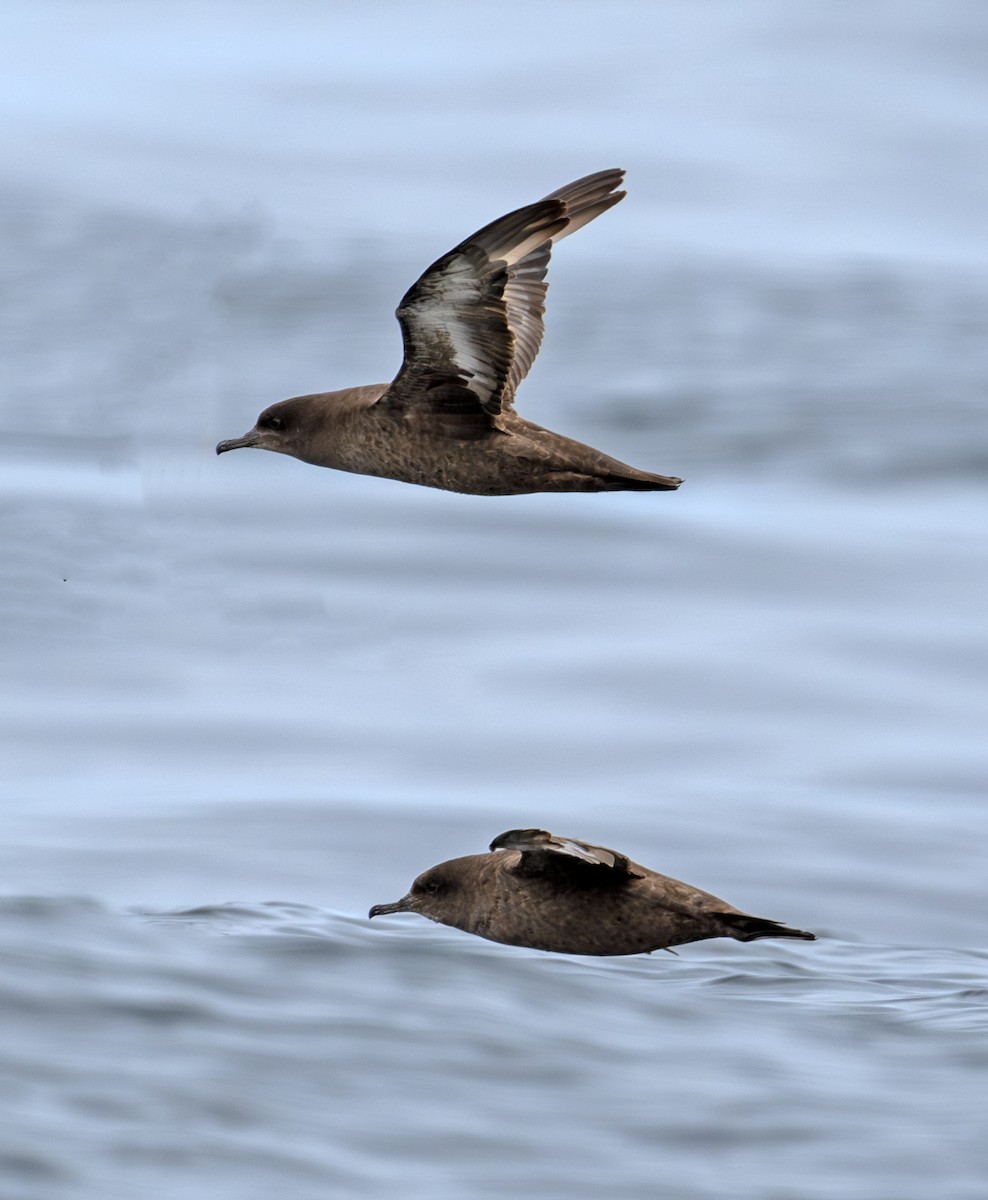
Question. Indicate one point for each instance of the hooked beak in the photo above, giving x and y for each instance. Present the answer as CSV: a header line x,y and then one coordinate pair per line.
x,y
382,910
241,443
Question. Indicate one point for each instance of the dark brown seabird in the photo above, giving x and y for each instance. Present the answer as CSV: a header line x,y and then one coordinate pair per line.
x,y
555,893
472,326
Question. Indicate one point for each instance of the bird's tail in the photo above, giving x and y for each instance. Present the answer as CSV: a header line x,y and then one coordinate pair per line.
x,y
750,929
640,481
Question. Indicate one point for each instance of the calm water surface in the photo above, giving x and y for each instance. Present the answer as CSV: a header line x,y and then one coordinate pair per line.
x,y
245,699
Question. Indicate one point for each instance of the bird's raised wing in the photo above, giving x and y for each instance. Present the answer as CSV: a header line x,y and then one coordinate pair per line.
x,y
472,324
542,851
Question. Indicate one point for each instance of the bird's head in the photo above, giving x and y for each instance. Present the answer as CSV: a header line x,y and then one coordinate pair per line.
x,y
282,427
433,895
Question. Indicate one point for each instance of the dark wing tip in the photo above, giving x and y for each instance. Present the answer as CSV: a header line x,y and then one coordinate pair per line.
x,y
522,839
591,187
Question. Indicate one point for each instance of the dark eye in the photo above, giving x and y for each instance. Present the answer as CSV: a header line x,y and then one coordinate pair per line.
x,y
275,423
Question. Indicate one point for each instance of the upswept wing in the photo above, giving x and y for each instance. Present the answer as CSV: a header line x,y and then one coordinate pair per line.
x,y
472,324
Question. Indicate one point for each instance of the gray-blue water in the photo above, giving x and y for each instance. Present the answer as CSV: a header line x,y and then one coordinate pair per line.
x,y
244,699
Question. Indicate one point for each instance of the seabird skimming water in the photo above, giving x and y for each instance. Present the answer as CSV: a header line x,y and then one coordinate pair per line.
x,y
555,893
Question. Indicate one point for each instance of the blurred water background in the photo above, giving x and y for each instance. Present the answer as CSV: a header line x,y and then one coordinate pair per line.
x,y
244,699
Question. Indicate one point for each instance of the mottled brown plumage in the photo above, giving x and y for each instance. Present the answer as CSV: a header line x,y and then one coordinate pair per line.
x,y
472,326
554,893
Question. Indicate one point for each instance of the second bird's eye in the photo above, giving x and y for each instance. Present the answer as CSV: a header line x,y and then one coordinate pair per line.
x,y
276,423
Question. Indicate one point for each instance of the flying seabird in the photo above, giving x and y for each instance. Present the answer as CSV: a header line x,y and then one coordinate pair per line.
x,y
556,893
471,326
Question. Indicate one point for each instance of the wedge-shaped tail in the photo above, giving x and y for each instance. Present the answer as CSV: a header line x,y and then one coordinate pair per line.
x,y
750,929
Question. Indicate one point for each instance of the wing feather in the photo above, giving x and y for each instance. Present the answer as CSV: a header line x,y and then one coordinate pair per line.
x,y
541,850
473,322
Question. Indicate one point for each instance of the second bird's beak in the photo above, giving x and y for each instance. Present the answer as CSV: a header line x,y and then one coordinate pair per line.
x,y
382,910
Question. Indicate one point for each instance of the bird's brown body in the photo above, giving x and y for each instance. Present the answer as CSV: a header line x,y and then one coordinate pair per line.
x,y
350,431
472,326
559,894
